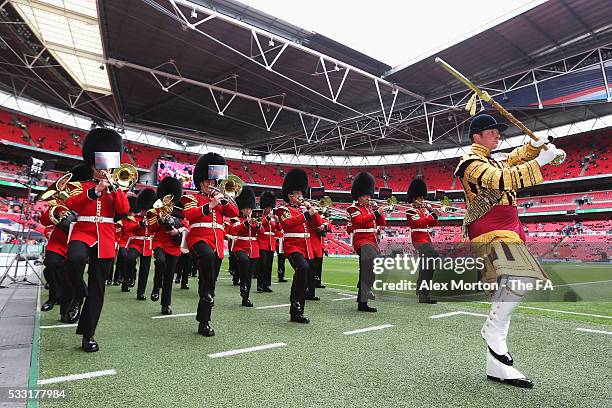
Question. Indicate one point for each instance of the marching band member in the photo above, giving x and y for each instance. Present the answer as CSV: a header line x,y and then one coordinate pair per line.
x,y
93,234
316,263
122,236
294,220
232,268
365,218
140,242
167,241
244,245
267,241
205,212
420,219
493,226
280,262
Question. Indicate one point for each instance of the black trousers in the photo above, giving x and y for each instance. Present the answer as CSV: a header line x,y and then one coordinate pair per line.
x,y
165,264
208,269
245,268
298,285
143,269
367,253
184,267
314,270
59,289
120,265
232,264
280,265
93,292
427,252
264,274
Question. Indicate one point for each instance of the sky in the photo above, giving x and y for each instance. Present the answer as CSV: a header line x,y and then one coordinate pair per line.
x,y
395,31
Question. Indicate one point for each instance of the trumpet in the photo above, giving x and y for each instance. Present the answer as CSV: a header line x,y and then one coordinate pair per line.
x,y
123,177
230,188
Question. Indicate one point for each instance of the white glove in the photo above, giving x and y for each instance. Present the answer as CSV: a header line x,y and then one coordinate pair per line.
x,y
546,156
538,143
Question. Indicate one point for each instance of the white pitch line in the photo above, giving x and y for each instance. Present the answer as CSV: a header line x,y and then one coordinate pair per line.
x,y
558,311
74,377
337,284
346,294
173,315
345,298
459,312
272,306
53,326
583,283
593,331
247,350
367,329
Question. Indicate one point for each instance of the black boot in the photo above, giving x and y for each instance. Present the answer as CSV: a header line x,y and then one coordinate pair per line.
x,y
166,310
48,305
141,297
246,302
205,330
125,289
109,282
177,280
89,344
297,313
364,307
281,278
266,289
313,297
155,296
425,298
73,314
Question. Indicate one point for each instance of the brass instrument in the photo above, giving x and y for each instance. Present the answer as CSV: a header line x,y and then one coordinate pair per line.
x,y
164,206
124,176
444,206
56,194
230,188
325,207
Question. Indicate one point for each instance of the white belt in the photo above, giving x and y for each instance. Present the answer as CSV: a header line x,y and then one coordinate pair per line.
x,y
269,233
228,236
100,220
246,238
297,235
145,238
207,225
419,230
366,230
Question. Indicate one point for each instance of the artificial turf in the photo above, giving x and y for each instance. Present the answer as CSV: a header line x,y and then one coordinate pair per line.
x,y
418,362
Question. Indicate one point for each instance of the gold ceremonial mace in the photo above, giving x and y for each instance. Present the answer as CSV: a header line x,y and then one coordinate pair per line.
x,y
561,156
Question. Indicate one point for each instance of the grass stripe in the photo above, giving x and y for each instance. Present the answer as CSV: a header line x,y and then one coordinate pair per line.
x,y
247,350
593,331
368,329
74,377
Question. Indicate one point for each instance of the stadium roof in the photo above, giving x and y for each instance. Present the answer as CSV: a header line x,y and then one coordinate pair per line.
x,y
227,74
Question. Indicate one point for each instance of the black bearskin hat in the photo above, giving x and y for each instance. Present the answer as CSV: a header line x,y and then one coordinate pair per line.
x,y
170,185
200,172
101,140
133,200
146,199
267,200
363,184
81,172
246,199
417,188
295,180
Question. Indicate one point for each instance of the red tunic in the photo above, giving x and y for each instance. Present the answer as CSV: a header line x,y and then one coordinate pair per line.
x,y
206,225
267,238
245,238
419,220
294,221
162,239
95,223
58,241
364,225
141,236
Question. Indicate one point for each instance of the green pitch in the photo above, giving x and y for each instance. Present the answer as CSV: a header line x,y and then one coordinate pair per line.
x,y
419,361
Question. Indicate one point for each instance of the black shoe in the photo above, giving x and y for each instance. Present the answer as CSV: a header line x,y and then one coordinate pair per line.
x,y
259,289
73,314
313,298
48,305
154,297
125,289
320,286
193,275
166,310
177,281
205,330
427,299
141,297
247,302
132,283
89,345
185,286
364,307
109,283
370,295
282,280
235,283
266,289
299,318
116,283
516,382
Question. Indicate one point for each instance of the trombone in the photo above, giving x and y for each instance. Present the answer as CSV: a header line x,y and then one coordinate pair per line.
x,y
444,206
325,206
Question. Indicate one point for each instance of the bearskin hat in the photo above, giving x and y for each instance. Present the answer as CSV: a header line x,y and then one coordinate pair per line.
x,y
133,200
363,184
146,199
267,200
295,180
200,172
246,199
81,172
101,140
170,185
417,188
